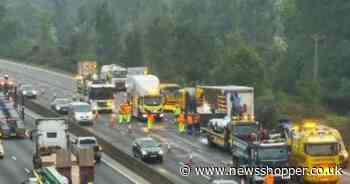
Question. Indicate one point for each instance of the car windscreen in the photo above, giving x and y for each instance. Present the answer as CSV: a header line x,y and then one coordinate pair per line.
x,y
152,101
87,142
101,93
27,88
119,74
82,108
62,101
245,129
273,153
326,149
149,143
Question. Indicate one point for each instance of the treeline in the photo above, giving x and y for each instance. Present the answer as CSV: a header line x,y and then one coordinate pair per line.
x,y
267,44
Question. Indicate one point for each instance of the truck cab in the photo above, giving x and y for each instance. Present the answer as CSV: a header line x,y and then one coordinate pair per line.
x,y
313,146
101,96
80,143
272,153
170,96
144,95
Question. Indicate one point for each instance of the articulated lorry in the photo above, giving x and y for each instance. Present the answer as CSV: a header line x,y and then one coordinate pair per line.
x,y
218,102
233,119
51,141
273,152
144,95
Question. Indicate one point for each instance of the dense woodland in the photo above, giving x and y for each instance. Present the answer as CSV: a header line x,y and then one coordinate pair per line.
x,y
269,44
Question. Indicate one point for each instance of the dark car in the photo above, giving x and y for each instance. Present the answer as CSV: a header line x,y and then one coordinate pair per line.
x,y
28,91
61,105
147,149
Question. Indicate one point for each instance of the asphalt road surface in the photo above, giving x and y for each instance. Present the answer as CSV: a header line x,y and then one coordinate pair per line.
x,y
18,159
182,146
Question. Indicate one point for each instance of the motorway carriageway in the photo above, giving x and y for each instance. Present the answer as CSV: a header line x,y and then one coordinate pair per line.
x,y
18,161
182,145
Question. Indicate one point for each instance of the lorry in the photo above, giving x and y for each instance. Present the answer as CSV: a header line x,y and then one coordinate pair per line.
x,y
92,89
170,96
222,129
86,70
216,101
116,75
273,152
51,143
100,95
314,145
144,95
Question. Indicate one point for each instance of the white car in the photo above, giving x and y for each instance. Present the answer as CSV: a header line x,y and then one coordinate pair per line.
x,y
81,113
28,91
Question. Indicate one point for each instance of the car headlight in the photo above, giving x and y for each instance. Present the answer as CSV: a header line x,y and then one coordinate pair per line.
x,y
144,115
24,92
77,117
143,152
58,107
34,92
161,115
161,152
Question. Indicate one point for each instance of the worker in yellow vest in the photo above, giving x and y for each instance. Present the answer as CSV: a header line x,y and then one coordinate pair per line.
x,y
127,112
150,120
122,113
182,122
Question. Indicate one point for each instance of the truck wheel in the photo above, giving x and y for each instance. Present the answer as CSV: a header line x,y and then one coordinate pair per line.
x,y
98,159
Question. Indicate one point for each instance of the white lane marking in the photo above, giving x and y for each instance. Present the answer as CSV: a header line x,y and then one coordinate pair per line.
x,y
206,177
27,170
13,158
125,172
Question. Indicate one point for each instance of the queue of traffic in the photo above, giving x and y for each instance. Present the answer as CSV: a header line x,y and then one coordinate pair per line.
x,y
224,114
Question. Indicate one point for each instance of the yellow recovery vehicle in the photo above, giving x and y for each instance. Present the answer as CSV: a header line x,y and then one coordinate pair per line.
x,y
317,146
171,96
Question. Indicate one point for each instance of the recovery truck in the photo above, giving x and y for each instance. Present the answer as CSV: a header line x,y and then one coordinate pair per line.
x,y
116,75
273,153
314,145
171,96
51,142
144,95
